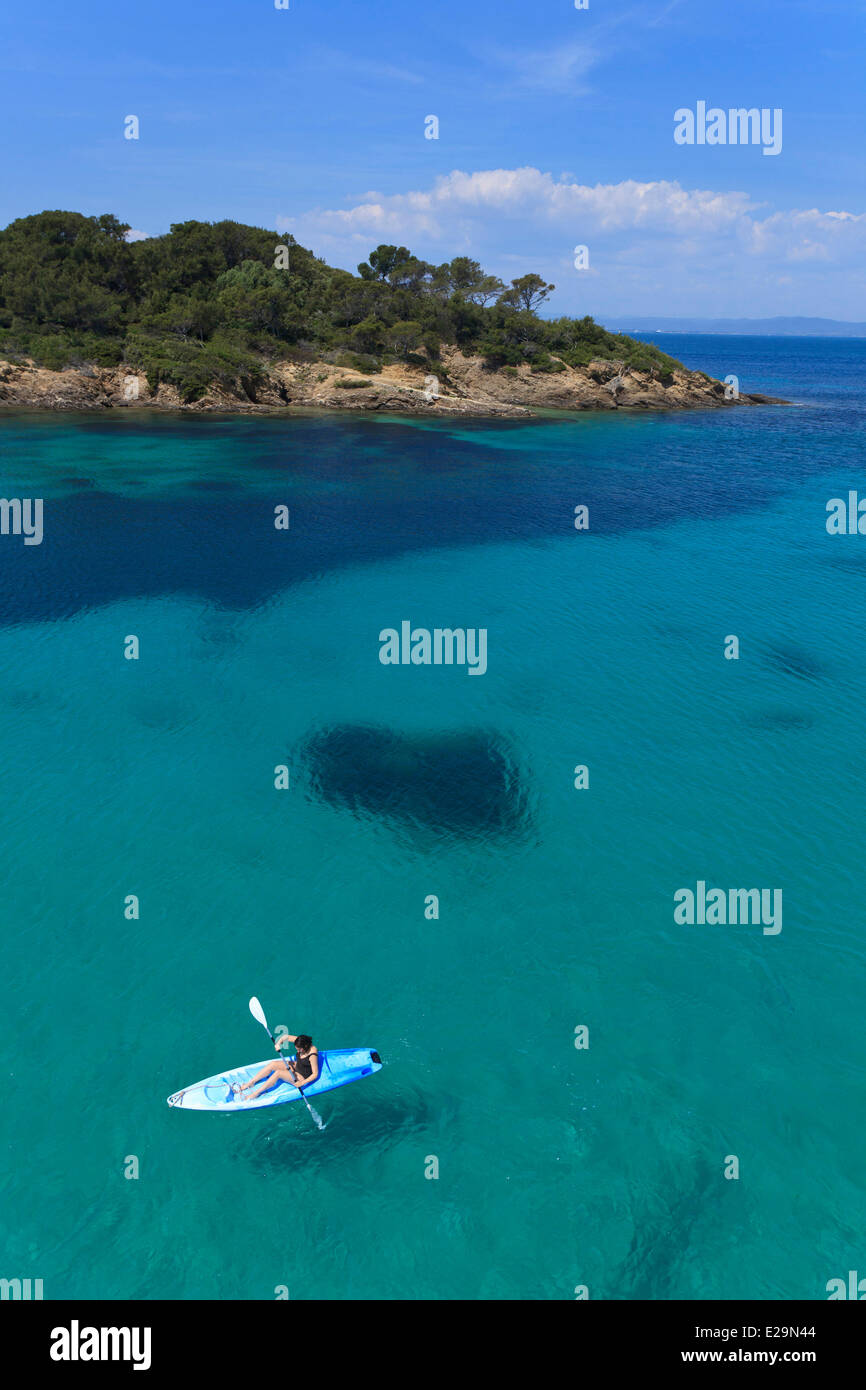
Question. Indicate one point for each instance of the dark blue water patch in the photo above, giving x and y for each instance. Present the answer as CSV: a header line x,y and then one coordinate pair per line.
x,y
795,661
664,1231
678,631
100,548
777,720
363,490
851,562
161,716
216,636
18,699
774,992
464,784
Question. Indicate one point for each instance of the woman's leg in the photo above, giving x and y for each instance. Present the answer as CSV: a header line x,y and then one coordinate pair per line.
x,y
265,1071
279,1072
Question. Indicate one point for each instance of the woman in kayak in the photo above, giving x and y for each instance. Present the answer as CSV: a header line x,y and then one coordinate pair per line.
x,y
301,1071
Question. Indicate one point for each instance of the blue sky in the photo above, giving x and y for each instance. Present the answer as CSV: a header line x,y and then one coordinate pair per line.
x,y
555,130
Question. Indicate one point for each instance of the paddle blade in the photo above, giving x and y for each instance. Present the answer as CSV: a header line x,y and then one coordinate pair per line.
x,y
258,1013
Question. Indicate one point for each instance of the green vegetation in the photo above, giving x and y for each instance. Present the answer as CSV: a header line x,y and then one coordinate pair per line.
x,y
209,304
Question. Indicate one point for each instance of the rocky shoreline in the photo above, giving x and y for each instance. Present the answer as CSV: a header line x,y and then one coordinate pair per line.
x,y
461,385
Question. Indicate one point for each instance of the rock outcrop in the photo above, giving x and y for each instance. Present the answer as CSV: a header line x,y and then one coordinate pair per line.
x,y
460,386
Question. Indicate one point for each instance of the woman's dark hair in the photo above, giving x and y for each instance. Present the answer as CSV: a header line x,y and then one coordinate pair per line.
x,y
303,1043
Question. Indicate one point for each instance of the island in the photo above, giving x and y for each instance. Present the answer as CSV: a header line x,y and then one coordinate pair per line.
x,y
227,317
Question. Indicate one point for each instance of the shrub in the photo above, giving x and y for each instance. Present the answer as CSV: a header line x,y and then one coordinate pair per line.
x,y
361,361
548,364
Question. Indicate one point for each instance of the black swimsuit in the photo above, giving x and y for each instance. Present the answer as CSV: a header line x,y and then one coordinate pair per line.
x,y
304,1062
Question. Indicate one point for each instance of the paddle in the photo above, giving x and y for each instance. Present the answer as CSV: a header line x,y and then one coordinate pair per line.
x,y
258,1014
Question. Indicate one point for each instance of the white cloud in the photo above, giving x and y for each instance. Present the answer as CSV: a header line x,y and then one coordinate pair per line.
x,y
807,235
528,193
559,68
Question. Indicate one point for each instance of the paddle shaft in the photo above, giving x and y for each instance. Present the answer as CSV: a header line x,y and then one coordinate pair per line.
x,y
258,1014
300,1088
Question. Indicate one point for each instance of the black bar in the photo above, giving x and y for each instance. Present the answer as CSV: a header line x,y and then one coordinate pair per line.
x,y
283,1338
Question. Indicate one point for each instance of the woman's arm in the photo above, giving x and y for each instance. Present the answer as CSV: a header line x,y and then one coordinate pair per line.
x,y
280,1038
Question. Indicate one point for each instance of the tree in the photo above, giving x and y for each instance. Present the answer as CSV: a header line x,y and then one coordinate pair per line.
x,y
367,336
489,287
255,296
439,281
410,275
190,314
382,262
470,281
66,270
527,292
405,336
465,274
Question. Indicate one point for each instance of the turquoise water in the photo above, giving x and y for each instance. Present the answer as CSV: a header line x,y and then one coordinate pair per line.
x,y
557,1166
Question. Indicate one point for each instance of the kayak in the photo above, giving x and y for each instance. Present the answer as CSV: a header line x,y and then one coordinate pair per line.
x,y
337,1068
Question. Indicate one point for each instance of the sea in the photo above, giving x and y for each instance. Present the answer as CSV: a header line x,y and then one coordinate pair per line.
x,y
213,788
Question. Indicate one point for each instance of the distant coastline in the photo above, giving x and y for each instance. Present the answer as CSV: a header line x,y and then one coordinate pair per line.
x,y
780,327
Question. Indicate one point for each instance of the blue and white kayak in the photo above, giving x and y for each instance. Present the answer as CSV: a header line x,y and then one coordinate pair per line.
x,y
220,1092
